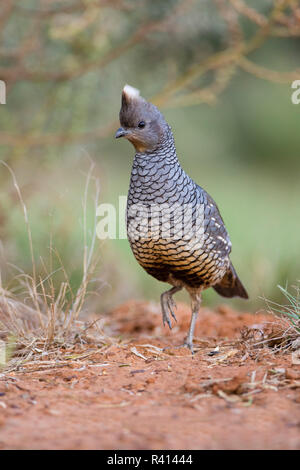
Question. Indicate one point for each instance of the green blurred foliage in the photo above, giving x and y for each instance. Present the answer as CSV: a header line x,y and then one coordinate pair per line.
x,y
244,150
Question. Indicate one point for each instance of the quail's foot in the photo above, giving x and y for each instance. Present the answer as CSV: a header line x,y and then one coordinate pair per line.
x,y
167,306
186,344
189,344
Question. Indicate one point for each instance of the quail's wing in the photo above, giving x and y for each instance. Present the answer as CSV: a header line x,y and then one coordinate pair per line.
x,y
214,228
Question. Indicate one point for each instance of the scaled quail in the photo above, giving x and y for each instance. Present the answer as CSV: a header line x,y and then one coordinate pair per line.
x,y
174,227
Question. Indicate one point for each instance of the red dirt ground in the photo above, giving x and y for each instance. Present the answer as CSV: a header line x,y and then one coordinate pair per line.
x,y
131,395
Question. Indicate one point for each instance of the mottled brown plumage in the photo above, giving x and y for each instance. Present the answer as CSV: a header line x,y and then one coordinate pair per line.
x,y
174,227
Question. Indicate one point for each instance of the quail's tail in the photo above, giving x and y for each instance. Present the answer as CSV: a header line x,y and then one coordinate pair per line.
x,y
231,286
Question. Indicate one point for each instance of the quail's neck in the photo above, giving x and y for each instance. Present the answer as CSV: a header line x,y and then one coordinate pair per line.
x,y
157,176
165,153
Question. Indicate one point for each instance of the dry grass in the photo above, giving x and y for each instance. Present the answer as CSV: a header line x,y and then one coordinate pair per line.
x,y
46,317
291,310
281,334
288,335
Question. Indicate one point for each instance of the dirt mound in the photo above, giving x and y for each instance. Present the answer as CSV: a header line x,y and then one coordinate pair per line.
x,y
141,318
132,394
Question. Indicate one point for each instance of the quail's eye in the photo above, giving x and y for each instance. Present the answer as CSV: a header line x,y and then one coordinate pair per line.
x,y
141,124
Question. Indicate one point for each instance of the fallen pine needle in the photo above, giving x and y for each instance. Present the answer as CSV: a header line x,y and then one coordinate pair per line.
x,y
138,354
113,405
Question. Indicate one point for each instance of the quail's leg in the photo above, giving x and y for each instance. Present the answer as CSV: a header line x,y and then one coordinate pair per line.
x,y
196,302
167,305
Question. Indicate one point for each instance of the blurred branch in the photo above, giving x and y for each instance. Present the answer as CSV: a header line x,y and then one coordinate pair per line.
x,y
77,6
267,74
220,59
207,94
230,17
230,57
6,10
291,22
28,140
249,12
22,72
283,20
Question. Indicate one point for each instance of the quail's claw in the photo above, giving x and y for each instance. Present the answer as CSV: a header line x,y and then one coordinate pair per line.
x,y
167,306
166,316
186,344
189,345
171,306
166,311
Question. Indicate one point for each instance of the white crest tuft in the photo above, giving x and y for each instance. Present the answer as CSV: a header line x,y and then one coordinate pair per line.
x,y
131,92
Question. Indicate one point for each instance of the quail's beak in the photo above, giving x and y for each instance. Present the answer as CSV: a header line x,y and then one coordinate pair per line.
x,y
121,133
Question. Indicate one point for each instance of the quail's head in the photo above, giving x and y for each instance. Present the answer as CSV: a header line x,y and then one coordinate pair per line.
x,y
141,122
